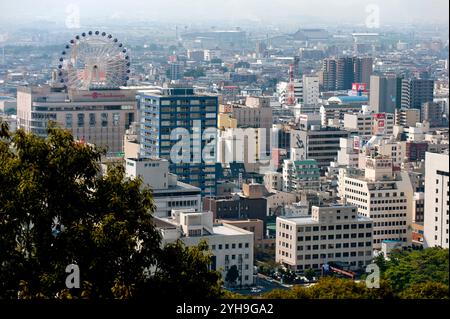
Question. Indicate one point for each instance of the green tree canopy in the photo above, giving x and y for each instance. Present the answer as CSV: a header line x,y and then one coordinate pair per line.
x,y
406,268
57,209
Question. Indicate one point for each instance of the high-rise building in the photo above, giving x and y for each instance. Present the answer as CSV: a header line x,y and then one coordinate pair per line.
x,y
340,73
167,115
436,200
319,143
415,92
306,90
432,112
383,93
333,233
363,69
328,75
345,73
175,71
310,90
382,196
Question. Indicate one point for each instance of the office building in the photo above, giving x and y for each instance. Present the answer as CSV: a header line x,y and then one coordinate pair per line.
x,y
382,196
168,192
100,117
229,245
181,110
407,117
383,93
299,175
436,200
333,233
249,204
340,73
415,92
432,113
320,143
363,69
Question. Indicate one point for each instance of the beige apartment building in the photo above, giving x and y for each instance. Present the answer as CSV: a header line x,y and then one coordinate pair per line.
x,y
382,196
436,200
100,117
333,233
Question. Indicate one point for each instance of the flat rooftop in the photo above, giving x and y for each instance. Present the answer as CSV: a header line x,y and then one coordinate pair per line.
x,y
307,220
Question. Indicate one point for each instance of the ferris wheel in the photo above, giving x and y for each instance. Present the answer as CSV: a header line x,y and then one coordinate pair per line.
x,y
93,60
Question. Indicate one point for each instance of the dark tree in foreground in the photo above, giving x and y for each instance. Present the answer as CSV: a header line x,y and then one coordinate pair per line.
x,y
57,209
232,275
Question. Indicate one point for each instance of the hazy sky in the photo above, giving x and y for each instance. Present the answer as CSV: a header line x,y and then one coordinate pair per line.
x,y
277,11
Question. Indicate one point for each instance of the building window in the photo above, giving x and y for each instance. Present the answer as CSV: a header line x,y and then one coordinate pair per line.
x,y
68,120
91,119
116,119
104,119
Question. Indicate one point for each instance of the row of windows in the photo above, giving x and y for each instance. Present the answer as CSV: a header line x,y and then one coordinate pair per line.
x,y
227,246
396,223
332,237
335,245
324,228
390,231
375,216
333,227
388,201
182,203
92,119
387,208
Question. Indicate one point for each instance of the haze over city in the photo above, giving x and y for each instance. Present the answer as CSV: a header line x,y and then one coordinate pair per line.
x,y
220,150
230,11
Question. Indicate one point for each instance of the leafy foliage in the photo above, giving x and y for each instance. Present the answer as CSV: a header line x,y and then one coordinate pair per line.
x,y
405,268
421,274
57,209
184,272
232,275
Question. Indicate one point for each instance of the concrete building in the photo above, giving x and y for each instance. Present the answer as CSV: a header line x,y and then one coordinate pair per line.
x,y
228,244
333,233
383,93
319,143
334,113
363,69
310,90
169,109
273,181
168,192
415,92
366,124
256,113
436,200
306,90
98,117
407,117
277,200
382,196
340,73
432,112
301,175
250,204
348,154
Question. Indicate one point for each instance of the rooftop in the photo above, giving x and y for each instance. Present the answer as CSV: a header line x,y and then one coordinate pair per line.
x,y
308,220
